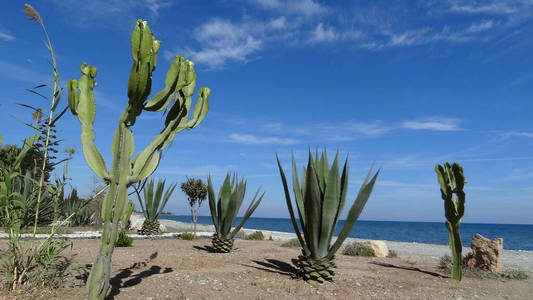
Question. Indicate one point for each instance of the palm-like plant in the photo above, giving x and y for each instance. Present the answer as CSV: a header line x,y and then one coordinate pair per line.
x,y
224,209
154,203
320,199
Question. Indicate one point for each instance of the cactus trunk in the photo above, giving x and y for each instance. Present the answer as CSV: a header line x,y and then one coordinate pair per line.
x,y
316,270
457,248
221,244
113,207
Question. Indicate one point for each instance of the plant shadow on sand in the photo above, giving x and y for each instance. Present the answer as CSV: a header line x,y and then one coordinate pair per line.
x,y
276,266
117,282
387,265
205,248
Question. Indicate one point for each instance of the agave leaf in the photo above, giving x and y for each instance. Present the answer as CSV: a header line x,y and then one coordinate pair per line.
x,y
291,211
298,195
225,199
344,190
312,202
330,207
212,203
158,196
148,198
249,211
353,214
166,197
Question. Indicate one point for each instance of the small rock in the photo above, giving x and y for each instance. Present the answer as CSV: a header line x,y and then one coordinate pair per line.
x,y
486,254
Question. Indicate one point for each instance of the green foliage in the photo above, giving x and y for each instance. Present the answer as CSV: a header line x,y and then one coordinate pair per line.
x,y
358,249
320,198
225,207
123,239
155,202
78,208
187,236
452,181
258,235
196,192
175,99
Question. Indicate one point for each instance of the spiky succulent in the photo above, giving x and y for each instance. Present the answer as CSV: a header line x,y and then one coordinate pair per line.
x,y
154,203
224,209
452,181
320,198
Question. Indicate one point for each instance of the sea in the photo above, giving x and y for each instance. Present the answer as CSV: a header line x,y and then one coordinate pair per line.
x,y
515,237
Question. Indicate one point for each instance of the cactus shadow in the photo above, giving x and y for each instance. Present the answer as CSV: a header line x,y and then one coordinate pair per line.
x,y
387,265
276,266
126,277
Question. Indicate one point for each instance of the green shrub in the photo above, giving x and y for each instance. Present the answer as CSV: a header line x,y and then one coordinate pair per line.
x,y
187,236
258,235
358,249
291,243
123,239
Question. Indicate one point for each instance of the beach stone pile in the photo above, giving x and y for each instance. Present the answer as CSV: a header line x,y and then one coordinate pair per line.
x,y
486,254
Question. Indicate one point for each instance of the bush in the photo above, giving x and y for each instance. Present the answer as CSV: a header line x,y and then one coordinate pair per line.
x,y
187,236
291,243
123,239
445,265
358,249
258,235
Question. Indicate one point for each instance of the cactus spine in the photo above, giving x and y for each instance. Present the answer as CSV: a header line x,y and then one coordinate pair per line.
x,y
180,83
452,181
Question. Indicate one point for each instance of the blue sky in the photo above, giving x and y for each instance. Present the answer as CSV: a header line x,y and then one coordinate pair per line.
x,y
407,84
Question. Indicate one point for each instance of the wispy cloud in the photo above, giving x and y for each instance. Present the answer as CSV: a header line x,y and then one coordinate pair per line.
x,y
484,7
257,140
481,26
102,13
222,41
20,73
518,134
323,34
436,124
5,36
305,8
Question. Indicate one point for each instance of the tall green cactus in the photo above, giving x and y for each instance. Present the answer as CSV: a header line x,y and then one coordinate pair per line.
x,y
452,181
180,83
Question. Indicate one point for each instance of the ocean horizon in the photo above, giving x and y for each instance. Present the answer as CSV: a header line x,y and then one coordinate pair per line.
x,y
515,236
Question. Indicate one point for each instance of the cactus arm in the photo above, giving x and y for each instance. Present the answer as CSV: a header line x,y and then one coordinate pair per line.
x,y
82,104
353,214
174,81
144,51
330,206
291,211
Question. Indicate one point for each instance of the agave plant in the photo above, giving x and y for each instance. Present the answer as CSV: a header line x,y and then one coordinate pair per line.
x,y
154,203
224,209
320,199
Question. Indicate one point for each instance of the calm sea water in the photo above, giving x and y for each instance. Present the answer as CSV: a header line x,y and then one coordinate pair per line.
x,y
515,237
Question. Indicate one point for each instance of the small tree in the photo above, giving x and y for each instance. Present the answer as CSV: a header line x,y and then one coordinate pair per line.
x,y
196,192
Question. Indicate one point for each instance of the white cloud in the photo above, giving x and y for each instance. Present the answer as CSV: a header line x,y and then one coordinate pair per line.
x,y
518,133
442,124
6,36
482,26
279,23
321,34
255,140
222,41
306,8
483,7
